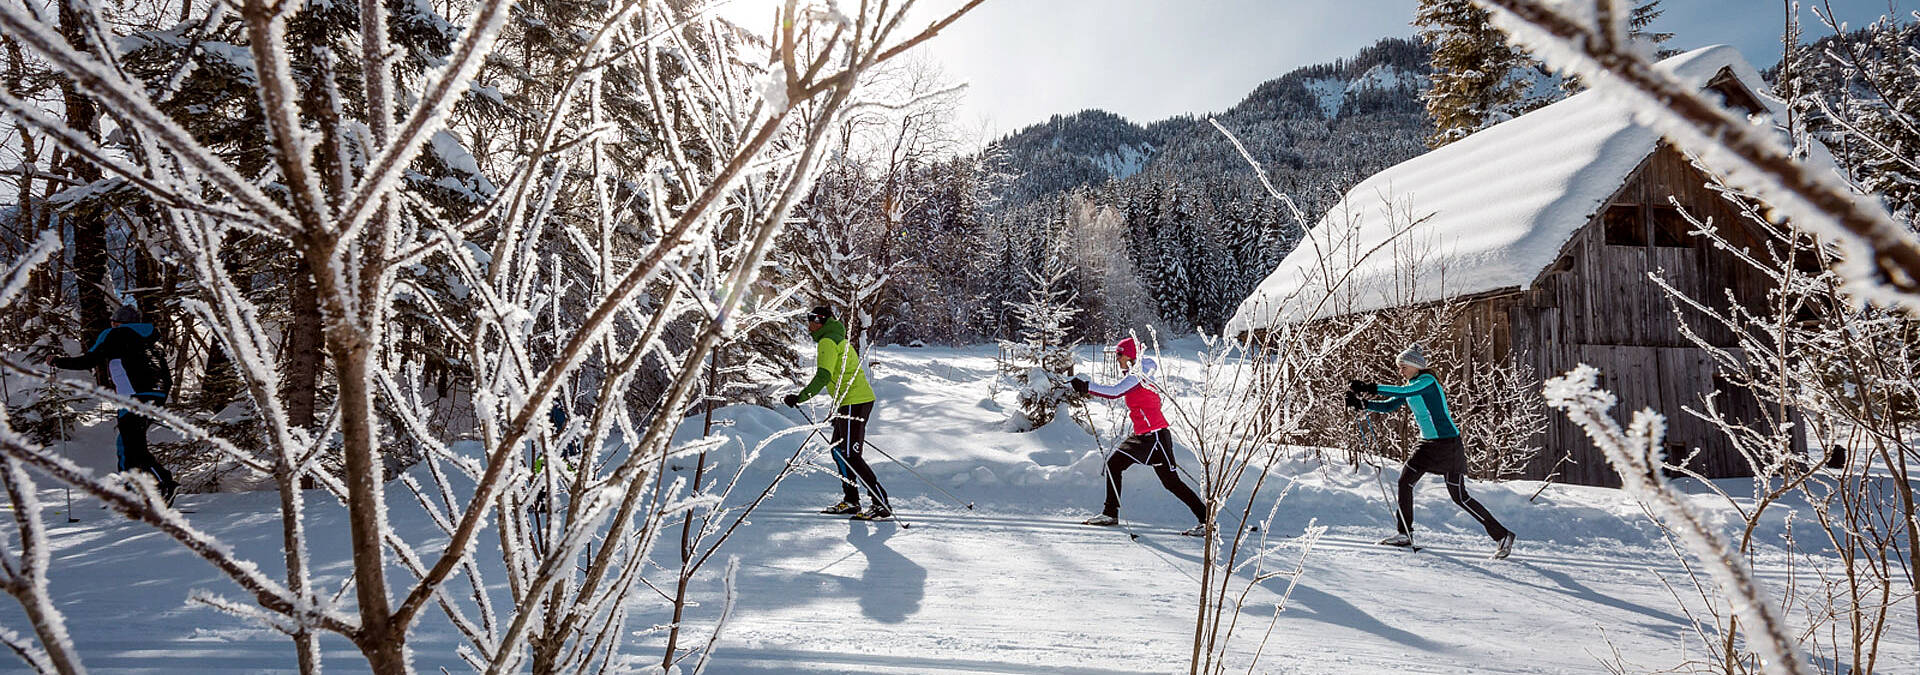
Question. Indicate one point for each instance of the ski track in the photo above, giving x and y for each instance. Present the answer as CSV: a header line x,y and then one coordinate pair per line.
x,y
1016,586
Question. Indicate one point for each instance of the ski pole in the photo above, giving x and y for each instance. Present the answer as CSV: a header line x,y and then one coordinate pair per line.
x,y
858,481
863,481
916,474
66,449
1366,439
1112,480
1101,445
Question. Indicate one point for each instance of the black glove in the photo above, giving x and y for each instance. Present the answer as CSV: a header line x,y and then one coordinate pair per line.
x,y
1363,388
1354,402
1080,386
792,400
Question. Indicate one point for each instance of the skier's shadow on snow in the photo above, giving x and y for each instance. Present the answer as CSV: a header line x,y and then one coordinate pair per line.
x,y
1329,608
1674,623
892,586
1320,605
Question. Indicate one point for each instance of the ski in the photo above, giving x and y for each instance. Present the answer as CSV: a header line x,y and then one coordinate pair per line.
x,y
1399,541
870,517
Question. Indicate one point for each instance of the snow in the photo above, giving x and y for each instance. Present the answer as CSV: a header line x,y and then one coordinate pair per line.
x,y
1329,92
1494,209
1014,586
468,180
1385,77
1124,161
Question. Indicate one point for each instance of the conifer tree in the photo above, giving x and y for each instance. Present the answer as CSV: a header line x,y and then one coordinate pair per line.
x,y
1640,25
1472,67
1046,353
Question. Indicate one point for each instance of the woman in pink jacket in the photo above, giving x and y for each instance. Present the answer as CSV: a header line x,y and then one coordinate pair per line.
x,y
1151,443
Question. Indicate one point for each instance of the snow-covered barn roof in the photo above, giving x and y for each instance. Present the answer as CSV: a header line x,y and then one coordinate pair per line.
x,y
1493,210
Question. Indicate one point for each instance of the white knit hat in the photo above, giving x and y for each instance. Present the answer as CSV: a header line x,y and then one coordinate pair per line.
x,y
1413,356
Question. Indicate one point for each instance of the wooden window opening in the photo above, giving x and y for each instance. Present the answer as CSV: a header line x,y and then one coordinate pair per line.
x,y
1623,225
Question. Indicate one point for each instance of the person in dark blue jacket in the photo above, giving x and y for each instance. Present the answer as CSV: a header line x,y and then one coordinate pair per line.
x,y
1440,450
130,351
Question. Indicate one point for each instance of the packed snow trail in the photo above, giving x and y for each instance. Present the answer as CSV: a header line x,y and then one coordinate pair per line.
x,y
1011,593
1014,586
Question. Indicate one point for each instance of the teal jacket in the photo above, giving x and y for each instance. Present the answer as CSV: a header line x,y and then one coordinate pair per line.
x,y
836,368
1429,404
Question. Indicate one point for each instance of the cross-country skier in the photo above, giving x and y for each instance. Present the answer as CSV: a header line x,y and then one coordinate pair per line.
x,y
557,415
1440,450
837,371
1151,443
129,350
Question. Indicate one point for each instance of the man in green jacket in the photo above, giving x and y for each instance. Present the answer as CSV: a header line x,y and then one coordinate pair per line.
x,y
837,372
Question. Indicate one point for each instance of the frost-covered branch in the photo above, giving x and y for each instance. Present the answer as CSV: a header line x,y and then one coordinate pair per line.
x,y
25,578
1635,454
1882,260
133,105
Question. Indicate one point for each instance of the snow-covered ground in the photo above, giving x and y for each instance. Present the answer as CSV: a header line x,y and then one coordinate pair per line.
x,y
1013,585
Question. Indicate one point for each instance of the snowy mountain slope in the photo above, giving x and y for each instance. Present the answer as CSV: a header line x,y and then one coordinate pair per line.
x,y
1303,126
1014,586
1329,92
1386,77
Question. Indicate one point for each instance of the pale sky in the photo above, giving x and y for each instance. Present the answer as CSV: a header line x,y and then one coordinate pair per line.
x,y
1146,60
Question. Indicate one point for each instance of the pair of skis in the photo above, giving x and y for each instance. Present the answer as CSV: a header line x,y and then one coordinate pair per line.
x,y
868,516
1102,521
1501,553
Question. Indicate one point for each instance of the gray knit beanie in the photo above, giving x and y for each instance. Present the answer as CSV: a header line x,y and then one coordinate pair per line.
x,y
1413,356
126,314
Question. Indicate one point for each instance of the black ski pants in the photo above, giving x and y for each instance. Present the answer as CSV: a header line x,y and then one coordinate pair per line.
x,y
1153,449
1457,489
848,441
132,445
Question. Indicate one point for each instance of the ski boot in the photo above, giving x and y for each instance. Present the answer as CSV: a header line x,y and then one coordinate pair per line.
x,y
1506,547
842,509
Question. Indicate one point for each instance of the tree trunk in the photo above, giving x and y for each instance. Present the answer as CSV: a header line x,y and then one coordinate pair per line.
x,y
304,355
41,282
89,224
380,640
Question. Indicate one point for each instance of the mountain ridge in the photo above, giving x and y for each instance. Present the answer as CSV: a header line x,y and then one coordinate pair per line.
x,y
1308,119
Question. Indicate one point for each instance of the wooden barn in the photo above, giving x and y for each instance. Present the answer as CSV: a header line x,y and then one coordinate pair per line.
x,y
1546,227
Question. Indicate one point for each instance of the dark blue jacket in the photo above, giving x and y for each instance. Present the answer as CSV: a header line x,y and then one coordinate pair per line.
x,y
131,354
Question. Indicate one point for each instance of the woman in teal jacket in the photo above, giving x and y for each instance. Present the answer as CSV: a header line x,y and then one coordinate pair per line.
x,y
1440,450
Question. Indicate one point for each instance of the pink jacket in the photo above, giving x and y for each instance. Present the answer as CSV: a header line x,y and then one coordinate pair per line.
x,y
1143,406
